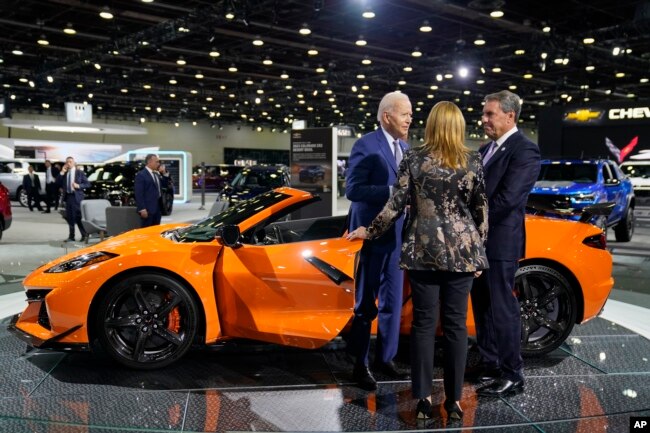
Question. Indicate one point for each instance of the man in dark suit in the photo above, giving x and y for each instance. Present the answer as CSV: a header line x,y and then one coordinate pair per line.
x,y
147,192
511,166
32,185
51,188
72,181
372,172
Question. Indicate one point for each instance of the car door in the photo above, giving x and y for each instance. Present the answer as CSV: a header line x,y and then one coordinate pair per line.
x,y
298,294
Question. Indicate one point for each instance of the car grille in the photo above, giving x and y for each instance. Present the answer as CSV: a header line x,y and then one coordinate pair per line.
x,y
642,192
550,201
43,318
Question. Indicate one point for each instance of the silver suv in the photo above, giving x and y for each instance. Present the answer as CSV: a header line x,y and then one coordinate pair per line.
x,y
11,176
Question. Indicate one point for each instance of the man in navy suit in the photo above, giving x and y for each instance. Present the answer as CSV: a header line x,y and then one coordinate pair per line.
x,y
372,172
511,165
32,185
72,181
147,192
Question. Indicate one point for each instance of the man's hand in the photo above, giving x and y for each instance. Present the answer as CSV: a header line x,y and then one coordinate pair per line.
x,y
143,213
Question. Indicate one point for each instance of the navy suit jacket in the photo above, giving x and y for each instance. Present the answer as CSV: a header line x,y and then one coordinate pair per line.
x,y
372,170
79,178
509,176
147,194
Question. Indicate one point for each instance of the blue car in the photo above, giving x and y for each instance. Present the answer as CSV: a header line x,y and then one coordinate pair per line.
x,y
311,174
566,186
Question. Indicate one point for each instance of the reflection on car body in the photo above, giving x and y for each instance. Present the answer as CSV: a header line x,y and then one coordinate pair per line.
x,y
5,209
146,296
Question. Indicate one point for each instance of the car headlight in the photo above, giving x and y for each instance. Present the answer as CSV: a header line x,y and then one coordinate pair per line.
x,y
583,198
81,262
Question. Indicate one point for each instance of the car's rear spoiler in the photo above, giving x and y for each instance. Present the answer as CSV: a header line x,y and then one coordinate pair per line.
x,y
586,214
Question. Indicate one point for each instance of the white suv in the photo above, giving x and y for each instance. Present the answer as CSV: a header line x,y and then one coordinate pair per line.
x,y
11,176
639,174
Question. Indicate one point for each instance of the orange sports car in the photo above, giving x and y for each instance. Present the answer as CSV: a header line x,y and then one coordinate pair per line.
x,y
260,270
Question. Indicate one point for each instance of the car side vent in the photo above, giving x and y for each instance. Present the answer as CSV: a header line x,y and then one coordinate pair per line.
x,y
43,318
37,295
596,241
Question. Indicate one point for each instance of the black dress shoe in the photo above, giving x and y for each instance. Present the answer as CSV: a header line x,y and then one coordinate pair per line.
x,y
364,378
84,238
501,387
482,373
390,369
423,409
454,412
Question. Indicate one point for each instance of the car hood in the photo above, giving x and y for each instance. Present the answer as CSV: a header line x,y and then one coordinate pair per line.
x,y
563,187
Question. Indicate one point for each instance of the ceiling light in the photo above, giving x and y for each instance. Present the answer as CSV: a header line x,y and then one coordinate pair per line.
x,y
449,75
106,13
496,14
43,40
425,27
312,51
616,51
146,86
538,91
643,80
361,76
512,87
368,13
528,75
361,41
199,75
181,61
267,61
69,30
479,40
249,82
620,74
320,69
496,69
97,66
172,80
258,42
544,55
284,75
480,81
520,52
214,53
439,77
17,51
402,82
463,72
546,29
416,52
147,1
587,41
366,61
232,68
50,79
304,30
229,14
407,68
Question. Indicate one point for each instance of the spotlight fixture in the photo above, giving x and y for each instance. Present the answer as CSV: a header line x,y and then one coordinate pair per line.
x,y
304,30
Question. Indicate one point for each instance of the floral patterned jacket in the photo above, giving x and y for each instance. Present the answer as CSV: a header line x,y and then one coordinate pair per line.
x,y
448,211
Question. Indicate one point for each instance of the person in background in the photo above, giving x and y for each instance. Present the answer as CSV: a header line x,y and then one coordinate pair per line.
x,y
57,194
51,188
372,172
148,193
511,163
71,182
32,186
443,249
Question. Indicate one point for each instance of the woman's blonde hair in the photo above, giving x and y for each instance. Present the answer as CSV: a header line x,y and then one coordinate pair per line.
x,y
444,135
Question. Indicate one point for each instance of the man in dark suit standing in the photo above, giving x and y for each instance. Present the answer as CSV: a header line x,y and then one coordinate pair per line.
x,y
147,192
72,181
32,185
372,172
511,165
51,173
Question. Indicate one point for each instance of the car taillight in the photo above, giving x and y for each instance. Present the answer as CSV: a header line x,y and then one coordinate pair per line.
x,y
596,241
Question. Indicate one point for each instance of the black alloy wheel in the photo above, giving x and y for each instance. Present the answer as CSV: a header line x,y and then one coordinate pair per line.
x,y
625,228
548,308
23,199
146,321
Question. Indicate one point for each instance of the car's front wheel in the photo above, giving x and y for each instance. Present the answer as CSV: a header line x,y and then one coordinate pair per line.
x,y
146,321
625,229
23,199
548,308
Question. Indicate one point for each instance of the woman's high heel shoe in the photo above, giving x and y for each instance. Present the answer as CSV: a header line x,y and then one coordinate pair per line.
x,y
454,412
423,409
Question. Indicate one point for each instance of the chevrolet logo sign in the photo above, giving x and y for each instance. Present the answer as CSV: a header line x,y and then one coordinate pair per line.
x,y
584,115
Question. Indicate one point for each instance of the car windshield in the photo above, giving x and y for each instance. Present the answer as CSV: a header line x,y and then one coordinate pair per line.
x,y
580,173
252,178
206,229
636,170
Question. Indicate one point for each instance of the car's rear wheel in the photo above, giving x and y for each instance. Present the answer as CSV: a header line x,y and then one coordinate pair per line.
x,y
548,308
625,229
23,199
146,321
2,228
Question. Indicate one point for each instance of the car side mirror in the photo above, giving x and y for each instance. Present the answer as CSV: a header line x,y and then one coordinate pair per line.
x,y
612,182
229,236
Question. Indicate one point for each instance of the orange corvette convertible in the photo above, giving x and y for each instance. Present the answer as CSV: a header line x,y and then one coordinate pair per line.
x,y
254,271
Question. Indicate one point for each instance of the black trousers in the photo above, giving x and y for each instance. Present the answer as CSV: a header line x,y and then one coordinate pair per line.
x,y
498,319
51,196
73,215
34,199
447,293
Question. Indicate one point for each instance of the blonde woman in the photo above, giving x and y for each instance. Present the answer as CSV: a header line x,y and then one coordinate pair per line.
x,y
443,248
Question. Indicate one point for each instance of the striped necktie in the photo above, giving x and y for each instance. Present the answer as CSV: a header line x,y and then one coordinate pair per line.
x,y
398,152
492,149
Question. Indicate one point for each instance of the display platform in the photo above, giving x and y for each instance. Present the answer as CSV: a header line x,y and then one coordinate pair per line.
x,y
593,383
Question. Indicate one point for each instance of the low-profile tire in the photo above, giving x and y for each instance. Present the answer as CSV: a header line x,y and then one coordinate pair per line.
x,y
548,308
625,228
23,199
2,228
146,321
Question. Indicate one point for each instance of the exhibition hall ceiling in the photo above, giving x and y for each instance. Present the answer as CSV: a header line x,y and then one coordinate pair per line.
x,y
268,62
